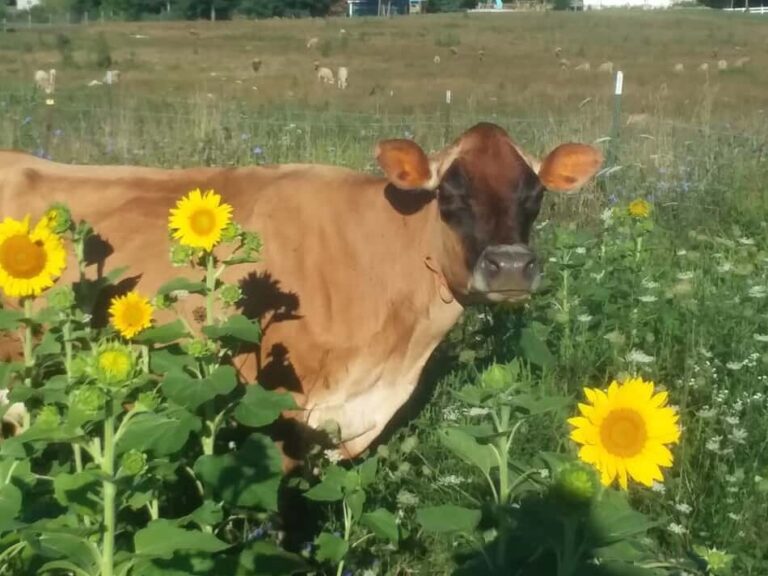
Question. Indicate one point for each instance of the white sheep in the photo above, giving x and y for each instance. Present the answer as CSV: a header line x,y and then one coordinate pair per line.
x,y
564,64
436,59
585,67
46,81
606,67
704,67
14,417
679,68
342,77
741,62
312,42
722,65
324,74
111,77
256,65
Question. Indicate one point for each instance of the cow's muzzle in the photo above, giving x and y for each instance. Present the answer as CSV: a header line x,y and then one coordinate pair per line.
x,y
505,272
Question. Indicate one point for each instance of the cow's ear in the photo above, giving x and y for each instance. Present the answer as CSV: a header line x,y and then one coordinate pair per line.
x,y
405,164
569,166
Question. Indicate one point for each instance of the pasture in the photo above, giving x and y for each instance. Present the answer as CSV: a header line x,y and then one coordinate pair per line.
x,y
678,296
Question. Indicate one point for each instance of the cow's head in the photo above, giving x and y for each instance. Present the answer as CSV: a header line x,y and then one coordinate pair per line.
x,y
489,195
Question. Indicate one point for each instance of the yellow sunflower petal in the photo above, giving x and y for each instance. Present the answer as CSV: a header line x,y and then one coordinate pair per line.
x,y
199,219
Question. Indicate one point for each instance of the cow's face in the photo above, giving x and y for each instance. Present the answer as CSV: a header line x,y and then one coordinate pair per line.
x,y
488,195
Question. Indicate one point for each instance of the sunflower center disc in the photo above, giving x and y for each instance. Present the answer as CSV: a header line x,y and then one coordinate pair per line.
x,y
623,433
22,258
202,222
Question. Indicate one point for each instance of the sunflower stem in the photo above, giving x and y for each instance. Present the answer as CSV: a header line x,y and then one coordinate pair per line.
x,y
210,288
109,491
29,356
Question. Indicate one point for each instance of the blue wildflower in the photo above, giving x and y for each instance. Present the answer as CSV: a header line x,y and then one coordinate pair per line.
x,y
258,150
26,120
58,132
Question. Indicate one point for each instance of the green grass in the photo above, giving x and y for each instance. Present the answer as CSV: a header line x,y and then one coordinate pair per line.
x,y
691,295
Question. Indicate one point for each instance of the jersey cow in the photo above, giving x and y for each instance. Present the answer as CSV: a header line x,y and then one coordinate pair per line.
x,y
361,275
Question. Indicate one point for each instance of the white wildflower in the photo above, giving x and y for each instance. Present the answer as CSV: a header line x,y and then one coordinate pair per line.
x,y
739,435
581,250
476,411
678,529
544,473
725,267
607,216
333,455
584,318
733,516
757,292
406,499
713,444
649,284
451,480
658,487
746,241
639,357
685,276
450,414
683,508
681,252
732,420
734,365
647,298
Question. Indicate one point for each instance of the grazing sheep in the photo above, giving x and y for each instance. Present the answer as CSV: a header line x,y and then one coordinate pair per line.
x,y
13,419
704,67
454,50
606,67
256,65
741,62
111,77
342,76
585,67
481,54
722,65
342,32
436,59
312,42
679,68
95,83
564,64
46,81
324,74
558,52
637,119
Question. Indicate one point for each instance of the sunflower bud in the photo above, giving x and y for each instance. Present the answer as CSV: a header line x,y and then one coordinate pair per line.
x,y
113,364
198,348
48,417
133,462
88,399
61,298
231,232
147,400
230,294
576,484
251,244
59,218
181,255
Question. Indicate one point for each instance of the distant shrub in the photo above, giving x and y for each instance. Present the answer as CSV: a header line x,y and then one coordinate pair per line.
x,y
447,39
101,52
561,4
65,49
450,5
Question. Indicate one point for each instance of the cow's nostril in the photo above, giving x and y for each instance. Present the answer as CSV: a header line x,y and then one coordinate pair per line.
x,y
492,265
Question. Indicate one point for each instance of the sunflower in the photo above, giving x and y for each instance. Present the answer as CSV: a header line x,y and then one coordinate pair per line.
x,y
639,208
130,314
199,219
625,432
30,260
113,363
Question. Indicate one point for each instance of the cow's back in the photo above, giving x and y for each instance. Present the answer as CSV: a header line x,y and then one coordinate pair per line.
x,y
350,311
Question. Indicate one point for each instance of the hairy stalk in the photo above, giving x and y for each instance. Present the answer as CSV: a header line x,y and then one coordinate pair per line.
x,y
109,491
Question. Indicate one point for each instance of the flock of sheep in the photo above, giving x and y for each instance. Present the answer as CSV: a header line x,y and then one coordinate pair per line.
x,y
45,80
678,68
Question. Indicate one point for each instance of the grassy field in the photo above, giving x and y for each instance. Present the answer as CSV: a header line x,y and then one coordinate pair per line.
x,y
680,298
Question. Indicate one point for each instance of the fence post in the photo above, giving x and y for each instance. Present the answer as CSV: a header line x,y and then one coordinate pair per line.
x,y
615,124
447,123
86,17
5,24
29,18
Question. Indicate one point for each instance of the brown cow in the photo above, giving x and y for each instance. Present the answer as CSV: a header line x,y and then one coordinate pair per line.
x,y
362,275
